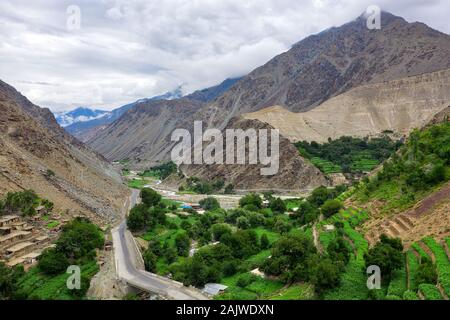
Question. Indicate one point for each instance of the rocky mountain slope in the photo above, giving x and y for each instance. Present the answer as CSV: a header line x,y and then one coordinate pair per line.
x,y
36,153
294,174
149,125
397,105
314,70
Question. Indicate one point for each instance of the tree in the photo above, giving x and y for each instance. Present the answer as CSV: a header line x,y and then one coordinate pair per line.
x,y
209,204
136,221
325,275
331,207
319,196
79,239
251,199
170,254
7,283
338,250
291,252
306,213
387,254
183,244
150,197
264,242
426,273
218,230
277,206
53,262
282,225
150,260
243,223
21,202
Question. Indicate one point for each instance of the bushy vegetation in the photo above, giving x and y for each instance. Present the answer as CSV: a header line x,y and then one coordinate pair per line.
x,y
387,254
76,246
348,154
24,203
199,186
161,172
417,169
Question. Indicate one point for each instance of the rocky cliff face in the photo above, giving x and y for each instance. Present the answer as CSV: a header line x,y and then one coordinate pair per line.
x,y
294,173
398,105
35,153
316,69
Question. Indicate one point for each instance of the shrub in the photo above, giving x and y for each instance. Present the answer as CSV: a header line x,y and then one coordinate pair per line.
x,y
210,203
53,262
253,199
150,197
331,207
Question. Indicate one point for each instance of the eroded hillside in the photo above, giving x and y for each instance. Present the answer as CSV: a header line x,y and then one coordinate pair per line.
x,y
398,106
35,153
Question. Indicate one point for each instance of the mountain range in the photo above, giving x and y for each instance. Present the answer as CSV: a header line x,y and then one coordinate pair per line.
x,y
83,123
336,71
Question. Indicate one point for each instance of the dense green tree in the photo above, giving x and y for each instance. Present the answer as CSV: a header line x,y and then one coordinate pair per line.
x,y
338,250
243,223
251,199
150,260
264,242
290,253
306,213
79,239
325,275
331,207
319,196
426,273
170,254
23,202
53,262
183,244
387,254
150,197
210,203
282,225
277,206
218,230
136,220
7,282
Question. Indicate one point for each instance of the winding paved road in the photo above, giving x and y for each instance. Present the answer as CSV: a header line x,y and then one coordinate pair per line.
x,y
129,265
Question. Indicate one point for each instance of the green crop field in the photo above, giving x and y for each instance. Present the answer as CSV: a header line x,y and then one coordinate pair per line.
x,y
442,263
41,287
430,292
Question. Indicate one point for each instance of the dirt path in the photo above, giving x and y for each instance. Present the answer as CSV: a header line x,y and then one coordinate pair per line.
x,y
317,240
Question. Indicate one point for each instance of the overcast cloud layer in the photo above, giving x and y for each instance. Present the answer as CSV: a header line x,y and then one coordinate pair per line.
x,y
127,50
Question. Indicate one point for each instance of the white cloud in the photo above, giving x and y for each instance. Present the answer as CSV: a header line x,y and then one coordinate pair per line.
x,y
127,50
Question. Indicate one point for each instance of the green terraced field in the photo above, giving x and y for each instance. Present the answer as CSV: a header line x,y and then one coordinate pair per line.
x,y
325,166
442,263
430,292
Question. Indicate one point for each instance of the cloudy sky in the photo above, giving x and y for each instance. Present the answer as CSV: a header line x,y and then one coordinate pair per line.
x,y
127,50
